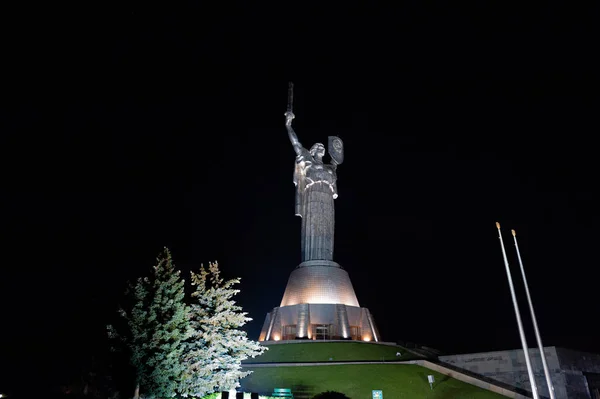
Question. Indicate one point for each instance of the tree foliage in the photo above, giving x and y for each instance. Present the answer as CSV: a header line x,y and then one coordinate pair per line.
x,y
157,326
214,352
181,350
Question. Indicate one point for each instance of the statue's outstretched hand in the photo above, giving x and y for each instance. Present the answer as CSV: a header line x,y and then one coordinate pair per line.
x,y
288,118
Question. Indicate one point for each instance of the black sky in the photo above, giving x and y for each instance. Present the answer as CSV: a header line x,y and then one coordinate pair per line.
x,y
130,126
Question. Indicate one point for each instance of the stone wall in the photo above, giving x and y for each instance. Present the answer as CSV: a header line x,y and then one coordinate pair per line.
x,y
568,369
576,366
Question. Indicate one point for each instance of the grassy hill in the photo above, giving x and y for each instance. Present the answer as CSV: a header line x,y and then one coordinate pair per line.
x,y
357,381
337,351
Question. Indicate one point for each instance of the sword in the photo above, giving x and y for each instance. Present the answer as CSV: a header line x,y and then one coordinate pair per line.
x,y
290,104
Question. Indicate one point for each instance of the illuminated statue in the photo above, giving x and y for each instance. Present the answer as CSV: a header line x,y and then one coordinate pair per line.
x,y
319,302
315,191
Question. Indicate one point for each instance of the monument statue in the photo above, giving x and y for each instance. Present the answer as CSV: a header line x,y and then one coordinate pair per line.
x,y
319,302
316,191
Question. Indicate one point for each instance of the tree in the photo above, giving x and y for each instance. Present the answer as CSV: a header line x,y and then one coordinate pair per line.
x,y
214,352
157,326
134,336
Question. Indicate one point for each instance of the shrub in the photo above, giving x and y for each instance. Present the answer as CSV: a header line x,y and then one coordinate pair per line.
x,y
330,395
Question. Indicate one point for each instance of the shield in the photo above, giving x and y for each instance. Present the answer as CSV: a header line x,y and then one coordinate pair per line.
x,y
336,149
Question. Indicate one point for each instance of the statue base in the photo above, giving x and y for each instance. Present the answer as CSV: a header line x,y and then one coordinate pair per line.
x,y
317,282
319,303
316,322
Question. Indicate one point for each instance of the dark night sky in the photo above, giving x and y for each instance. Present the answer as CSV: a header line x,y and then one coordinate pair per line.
x,y
128,127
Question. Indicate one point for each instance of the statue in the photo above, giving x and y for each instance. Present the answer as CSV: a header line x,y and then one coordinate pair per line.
x,y
316,191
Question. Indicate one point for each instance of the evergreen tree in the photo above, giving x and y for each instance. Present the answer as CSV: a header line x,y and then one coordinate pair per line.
x,y
214,353
157,326
134,335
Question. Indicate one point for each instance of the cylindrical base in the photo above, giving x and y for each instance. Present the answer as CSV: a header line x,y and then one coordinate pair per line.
x,y
327,322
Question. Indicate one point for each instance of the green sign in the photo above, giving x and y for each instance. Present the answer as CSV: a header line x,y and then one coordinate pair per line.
x,y
377,394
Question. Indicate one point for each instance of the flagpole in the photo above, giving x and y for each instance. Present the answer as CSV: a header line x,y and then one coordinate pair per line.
x,y
535,326
518,315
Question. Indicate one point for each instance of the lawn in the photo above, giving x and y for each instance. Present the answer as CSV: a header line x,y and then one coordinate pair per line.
x,y
357,382
324,351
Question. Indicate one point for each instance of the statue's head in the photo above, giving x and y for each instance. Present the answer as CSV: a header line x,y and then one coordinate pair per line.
x,y
317,149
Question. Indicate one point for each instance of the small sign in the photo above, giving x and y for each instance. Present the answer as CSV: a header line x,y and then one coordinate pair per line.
x,y
377,394
431,381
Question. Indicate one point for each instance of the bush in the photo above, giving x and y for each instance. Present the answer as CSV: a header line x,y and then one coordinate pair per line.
x,y
330,395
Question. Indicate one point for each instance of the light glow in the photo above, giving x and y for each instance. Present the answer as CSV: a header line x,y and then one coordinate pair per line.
x,y
319,284
366,339
276,337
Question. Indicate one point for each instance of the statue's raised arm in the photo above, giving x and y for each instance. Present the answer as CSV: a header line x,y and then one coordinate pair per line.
x,y
291,133
316,190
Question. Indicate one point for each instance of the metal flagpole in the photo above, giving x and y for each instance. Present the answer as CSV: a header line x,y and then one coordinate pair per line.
x,y
535,326
519,323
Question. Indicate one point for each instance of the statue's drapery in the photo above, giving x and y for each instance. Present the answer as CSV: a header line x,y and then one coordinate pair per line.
x,y
315,193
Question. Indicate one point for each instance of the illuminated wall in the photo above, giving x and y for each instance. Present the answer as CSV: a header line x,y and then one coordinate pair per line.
x,y
341,319
318,282
319,301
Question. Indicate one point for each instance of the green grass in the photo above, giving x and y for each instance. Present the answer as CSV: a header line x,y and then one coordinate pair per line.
x,y
323,351
357,381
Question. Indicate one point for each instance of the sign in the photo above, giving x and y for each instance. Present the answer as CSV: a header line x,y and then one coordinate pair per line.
x,y
377,394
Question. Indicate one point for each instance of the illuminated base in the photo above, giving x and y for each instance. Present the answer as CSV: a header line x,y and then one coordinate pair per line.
x,y
319,303
319,322
319,282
